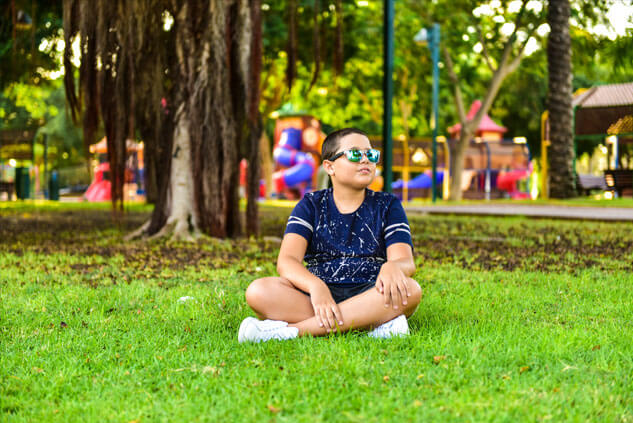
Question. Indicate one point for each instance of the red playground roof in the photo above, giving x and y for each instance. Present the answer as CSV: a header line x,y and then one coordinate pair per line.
x,y
486,125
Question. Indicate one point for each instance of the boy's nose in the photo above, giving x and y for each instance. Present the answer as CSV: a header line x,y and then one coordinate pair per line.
x,y
364,158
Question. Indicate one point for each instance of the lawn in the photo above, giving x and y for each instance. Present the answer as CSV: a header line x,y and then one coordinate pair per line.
x,y
521,320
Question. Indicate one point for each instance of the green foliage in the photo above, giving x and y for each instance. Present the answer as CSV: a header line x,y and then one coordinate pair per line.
x,y
32,101
355,98
92,328
43,106
21,59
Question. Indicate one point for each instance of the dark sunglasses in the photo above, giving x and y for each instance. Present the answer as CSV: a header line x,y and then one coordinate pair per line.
x,y
354,155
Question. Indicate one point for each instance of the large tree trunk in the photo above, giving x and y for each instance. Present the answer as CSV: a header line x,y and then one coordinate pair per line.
x,y
187,90
562,182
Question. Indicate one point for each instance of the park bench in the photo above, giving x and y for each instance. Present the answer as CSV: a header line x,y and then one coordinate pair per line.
x,y
619,180
586,183
7,187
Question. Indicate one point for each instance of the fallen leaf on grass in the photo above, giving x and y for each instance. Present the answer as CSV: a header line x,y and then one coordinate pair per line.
x,y
63,324
417,403
524,369
273,409
595,347
438,358
505,377
385,378
209,369
37,370
420,376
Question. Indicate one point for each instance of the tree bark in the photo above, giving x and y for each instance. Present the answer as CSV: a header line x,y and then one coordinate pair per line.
x,y
562,182
192,101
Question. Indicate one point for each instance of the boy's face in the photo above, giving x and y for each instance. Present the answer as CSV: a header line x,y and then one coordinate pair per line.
x,y
357,175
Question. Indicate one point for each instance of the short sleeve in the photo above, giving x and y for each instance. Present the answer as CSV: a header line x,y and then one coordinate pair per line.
x,y
301,220
397,226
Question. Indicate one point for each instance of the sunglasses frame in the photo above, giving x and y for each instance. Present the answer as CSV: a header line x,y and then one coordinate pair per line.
x,y
362,152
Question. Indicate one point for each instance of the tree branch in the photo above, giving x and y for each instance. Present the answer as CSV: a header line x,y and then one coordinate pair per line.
x,y
459,101
485,50
517,60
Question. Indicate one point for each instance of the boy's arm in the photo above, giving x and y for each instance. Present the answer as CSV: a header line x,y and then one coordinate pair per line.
x,y
290,263
290,266
393,279
401,255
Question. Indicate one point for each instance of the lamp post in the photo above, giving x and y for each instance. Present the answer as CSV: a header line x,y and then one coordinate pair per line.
x,y
387,89
432,37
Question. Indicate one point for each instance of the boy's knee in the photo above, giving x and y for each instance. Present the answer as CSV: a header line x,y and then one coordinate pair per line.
x,y
255,291
416,293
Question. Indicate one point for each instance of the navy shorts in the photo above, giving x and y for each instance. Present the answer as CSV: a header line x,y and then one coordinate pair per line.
x,y
342,291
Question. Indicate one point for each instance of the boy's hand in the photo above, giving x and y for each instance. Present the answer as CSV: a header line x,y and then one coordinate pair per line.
x,y
393,284
325,309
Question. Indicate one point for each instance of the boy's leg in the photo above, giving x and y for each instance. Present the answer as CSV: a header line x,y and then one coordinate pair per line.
x,y
364,311
277,299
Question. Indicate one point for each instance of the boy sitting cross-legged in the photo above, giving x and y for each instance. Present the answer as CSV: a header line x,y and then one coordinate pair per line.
x,y
357,247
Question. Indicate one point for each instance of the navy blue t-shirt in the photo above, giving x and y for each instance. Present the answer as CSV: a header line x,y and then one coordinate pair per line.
x,y
348,248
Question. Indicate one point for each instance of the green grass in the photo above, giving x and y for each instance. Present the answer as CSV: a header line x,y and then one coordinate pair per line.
x,y
586,201
521,320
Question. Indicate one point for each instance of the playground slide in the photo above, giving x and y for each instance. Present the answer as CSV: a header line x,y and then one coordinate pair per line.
x,y
299,165
507,181
423,180
99,189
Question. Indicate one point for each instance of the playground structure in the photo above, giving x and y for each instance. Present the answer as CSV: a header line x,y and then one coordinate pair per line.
x,y
493,167
296,153
603,117
416,161
100,188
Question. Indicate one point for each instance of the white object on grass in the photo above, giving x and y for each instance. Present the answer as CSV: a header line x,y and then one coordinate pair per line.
x,y
185,299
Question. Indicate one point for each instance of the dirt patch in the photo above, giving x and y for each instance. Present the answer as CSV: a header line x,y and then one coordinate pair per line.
x,y
475,243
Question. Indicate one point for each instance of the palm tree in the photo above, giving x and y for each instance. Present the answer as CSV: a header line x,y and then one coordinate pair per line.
x,y
561,158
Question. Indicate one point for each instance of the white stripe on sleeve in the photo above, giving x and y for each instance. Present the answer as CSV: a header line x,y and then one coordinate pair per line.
x,y
395,225
298,221
396,230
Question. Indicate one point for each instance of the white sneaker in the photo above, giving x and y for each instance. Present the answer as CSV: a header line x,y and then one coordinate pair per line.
x,y
394,327
254,330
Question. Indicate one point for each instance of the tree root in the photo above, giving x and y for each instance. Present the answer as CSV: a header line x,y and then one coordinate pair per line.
x,y
174,229
138,233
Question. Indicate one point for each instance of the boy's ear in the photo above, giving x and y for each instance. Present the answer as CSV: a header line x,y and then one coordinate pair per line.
x,y
327,165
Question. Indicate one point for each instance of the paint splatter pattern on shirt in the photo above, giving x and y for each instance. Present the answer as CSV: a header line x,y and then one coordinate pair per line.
x,y
348,248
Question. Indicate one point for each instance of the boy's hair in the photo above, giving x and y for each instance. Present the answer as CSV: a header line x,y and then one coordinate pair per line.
x,y
333,141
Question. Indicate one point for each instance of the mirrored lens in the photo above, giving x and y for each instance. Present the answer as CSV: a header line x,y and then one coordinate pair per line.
x,y
373,155
354,155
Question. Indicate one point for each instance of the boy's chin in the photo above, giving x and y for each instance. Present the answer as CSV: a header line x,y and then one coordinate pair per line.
x,y
362,184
